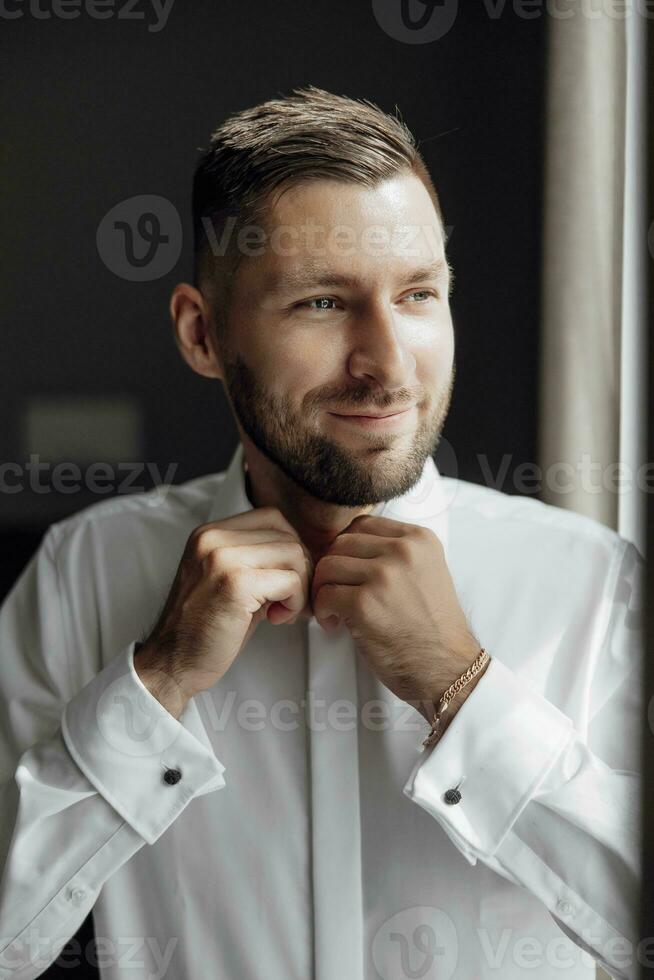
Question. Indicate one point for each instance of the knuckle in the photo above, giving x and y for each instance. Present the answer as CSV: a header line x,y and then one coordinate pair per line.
x,y
213,562
403,548
234,579
371,600
273,513
326,562
194,545
361,601
197,533
230,583
320,598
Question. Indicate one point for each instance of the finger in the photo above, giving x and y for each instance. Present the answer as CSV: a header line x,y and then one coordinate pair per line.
x,y
279,585
277,613
222,540
206,537
305,613
258,517
339,570
335,600
276,554
259,535
261,613
383,526
359,545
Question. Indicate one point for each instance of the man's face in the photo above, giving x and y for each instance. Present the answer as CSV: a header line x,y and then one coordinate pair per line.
x,y
345,311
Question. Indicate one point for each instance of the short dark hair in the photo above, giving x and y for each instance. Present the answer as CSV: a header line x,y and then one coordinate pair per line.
x,y
308,135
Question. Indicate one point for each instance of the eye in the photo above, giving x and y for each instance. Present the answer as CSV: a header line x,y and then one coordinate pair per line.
x,y
321,300
426,293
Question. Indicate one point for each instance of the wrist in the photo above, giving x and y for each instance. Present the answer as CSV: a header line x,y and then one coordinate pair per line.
x,y
159,680
428,707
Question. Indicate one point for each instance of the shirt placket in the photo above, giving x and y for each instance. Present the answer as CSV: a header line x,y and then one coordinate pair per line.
x,y
332,703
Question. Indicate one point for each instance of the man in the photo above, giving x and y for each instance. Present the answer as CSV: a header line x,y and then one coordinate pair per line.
x,y
241,673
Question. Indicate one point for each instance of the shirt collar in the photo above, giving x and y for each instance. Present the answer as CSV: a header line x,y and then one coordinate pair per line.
x,y
426,503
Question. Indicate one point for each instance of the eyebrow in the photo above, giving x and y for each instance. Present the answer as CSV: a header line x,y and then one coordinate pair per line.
x,y
310,276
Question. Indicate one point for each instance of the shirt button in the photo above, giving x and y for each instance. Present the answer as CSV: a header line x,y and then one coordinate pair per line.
x,y
172,776
452,796
77,895
564,907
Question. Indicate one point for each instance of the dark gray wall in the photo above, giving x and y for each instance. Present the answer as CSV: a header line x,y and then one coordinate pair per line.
x,y
99,111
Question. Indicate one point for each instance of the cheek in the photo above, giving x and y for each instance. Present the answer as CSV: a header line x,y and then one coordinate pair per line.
x,y
313,364
433,331
318,349
294,382
435,360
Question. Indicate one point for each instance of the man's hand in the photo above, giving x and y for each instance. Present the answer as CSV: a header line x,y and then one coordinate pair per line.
x,y
390,585
233,573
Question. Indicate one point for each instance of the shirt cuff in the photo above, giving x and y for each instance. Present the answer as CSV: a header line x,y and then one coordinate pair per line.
x,y
124,740
496,751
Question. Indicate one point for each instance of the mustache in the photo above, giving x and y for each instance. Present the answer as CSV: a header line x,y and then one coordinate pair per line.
x,y
388,404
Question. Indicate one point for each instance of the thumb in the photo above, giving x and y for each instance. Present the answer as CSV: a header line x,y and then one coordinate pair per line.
x,y
278,613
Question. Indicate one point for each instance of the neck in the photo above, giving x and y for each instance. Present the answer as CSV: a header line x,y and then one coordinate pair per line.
x,y
318,523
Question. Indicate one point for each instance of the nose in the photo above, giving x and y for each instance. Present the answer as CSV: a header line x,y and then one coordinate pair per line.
x,y
380,351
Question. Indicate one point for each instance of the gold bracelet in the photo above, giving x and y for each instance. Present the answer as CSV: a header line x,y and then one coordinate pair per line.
x,y
480,661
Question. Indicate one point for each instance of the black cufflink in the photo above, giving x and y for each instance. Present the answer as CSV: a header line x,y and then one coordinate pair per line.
x,y
172,776
452,796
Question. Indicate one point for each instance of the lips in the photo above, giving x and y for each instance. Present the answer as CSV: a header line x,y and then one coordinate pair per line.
x,y
367,415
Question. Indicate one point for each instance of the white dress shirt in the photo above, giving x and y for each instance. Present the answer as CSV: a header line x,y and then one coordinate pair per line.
x,y
308,835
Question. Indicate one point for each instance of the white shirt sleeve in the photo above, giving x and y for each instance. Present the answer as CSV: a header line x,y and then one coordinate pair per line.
x,y
82,783
551,808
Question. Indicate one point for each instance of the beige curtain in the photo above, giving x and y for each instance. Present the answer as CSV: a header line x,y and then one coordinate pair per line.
x,y
582,263
593,355
592,390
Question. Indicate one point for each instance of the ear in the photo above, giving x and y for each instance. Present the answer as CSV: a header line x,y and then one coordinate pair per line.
x,y
191,318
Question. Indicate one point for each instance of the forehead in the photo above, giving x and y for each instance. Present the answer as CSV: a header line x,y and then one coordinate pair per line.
x,y
348,231
401,198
